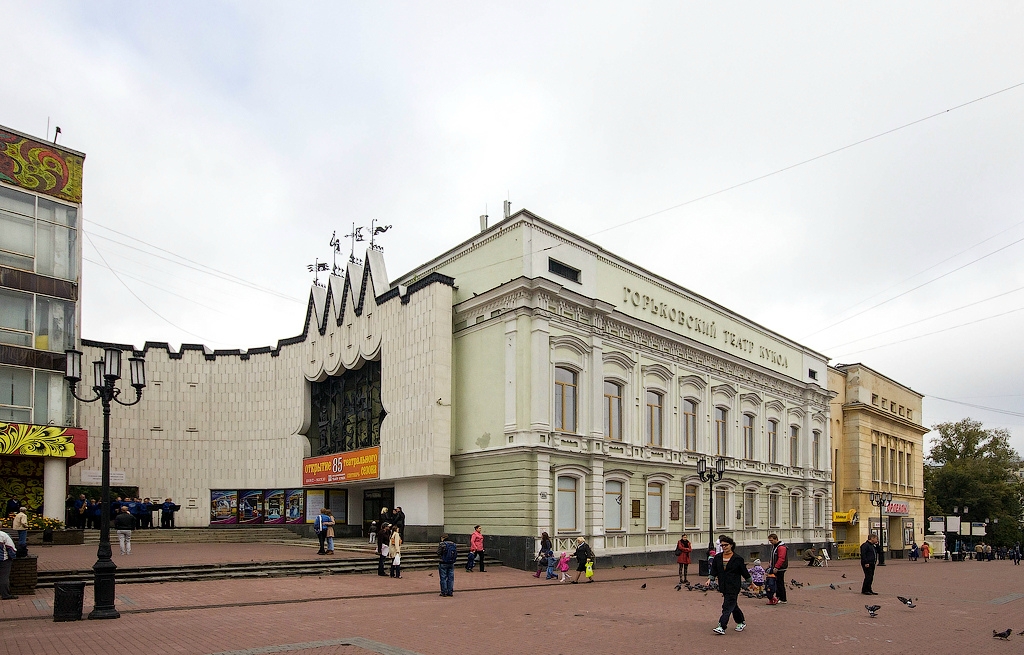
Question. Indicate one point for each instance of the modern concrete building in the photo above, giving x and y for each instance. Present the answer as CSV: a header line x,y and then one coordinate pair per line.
x,y
40,267
526,380
878,442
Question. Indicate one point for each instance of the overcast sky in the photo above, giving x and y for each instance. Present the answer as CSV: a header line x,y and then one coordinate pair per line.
x,y
240,135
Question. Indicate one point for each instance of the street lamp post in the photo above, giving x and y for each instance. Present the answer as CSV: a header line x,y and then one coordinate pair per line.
x,y
711,476
881,499
106,373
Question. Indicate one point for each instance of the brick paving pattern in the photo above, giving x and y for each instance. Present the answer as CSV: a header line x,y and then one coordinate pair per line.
x,y
509,611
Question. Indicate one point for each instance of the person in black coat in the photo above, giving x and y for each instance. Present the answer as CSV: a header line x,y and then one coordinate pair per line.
x,y
729,569
868,561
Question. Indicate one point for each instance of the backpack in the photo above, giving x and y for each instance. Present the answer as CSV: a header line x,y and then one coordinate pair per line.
x,y
450,553
318,523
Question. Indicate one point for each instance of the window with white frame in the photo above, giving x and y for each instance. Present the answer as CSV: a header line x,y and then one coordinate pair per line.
x,y
16,318
654,413
819,511
565,399
15,394
655,503
794,445
748,436
613,505
795,511
690,506
721,518
721,430
612,410
689,425
567,503
816,448
750,508
773,509
38,235
773,441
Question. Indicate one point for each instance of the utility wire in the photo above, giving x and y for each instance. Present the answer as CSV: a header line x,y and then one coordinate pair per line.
x,y
148,283
928,318
136,296
988,409
807,161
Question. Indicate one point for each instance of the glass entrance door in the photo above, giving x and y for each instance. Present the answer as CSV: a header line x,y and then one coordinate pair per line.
x,y
374,500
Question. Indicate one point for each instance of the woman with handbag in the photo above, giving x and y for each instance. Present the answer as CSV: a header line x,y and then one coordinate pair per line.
x,y
683,550
395,550
544,555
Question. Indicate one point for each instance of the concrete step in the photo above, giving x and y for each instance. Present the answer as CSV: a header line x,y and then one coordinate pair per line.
x,y
203,535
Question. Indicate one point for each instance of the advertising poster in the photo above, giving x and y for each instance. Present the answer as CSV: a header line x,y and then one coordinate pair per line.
x,y
342,467
273,505
250,506
314,503
295,502
223,507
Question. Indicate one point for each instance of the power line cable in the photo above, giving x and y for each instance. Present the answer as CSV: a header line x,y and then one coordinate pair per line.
x,y
807,161
146,282
989,409
928,318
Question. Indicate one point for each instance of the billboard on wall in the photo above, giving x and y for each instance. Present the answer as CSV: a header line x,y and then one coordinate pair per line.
x,y
273,506
223,507
295,502
250,506
29,440
341,467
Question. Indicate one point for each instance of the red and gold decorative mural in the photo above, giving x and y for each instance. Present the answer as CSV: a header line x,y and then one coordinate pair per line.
x,y
40,167
43,441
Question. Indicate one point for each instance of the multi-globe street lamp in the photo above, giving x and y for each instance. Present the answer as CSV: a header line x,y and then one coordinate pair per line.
x,y
106,373
881,499
711,476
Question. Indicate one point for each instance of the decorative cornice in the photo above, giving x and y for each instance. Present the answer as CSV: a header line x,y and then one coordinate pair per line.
x,y
570,342
658,371
726,390
752,398
695,381
618,358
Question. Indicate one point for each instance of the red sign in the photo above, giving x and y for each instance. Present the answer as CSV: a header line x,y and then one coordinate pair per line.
x,y
897,508
342,467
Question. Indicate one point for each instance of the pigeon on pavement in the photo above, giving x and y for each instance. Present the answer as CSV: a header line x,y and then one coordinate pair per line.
x,y
679,586
643,586
1004,635
832,587
844,575
909,602
872,610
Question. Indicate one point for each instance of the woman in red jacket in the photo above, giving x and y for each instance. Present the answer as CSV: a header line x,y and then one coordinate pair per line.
x,y
476,549
683,549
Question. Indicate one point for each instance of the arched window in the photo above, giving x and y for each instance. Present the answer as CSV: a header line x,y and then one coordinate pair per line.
x,y
565,400
721,430
566,504
748,436
612,410
654,410
613,505
655,494
689,425
773,441
794,445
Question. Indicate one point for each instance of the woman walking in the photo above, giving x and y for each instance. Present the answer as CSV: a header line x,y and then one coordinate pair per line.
x,y
926,551
728,568
584,558
544,555
683,550
395,551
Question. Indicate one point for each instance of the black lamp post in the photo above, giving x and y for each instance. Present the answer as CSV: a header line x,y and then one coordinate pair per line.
x,y
711,476
106,373
881,499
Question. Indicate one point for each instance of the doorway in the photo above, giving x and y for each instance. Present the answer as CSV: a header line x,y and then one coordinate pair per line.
x,y
374,500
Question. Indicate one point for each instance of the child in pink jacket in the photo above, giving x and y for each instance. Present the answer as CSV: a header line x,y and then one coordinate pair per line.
x,y
563,566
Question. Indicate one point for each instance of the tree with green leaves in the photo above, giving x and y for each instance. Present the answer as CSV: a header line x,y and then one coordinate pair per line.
x,y
976,467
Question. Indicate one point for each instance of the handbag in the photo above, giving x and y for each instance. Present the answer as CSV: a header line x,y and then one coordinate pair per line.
x,y
398,560
385,550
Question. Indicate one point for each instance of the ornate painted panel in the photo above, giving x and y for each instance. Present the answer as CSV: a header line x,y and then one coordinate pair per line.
x,y
40,167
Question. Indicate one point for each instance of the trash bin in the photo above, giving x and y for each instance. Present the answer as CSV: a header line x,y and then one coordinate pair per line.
x,y
68,598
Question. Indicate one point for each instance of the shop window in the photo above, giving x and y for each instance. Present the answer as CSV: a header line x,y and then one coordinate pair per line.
x,y
565,400
347,410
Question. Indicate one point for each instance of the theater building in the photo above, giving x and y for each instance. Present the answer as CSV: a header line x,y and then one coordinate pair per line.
x,y
40,265
526,380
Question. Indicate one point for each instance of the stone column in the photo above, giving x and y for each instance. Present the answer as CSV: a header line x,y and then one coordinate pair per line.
x,y
54,487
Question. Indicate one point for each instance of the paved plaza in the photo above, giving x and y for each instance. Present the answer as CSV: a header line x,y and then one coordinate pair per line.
x,y
508,611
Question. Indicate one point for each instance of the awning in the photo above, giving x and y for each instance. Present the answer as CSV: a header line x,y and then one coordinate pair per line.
x,y
845,517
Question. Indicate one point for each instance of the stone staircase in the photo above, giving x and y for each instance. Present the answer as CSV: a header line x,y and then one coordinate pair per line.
x,y
254,534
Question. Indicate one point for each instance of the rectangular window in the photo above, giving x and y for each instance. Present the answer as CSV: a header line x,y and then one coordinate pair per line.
x,y
613,505
563,270
721,519
748,436
654,506
15,394
654,418
17,241
794,445
52,401
721,430
874,462
773,442
689,425
690,506
910,469
55,324
794,511
773,510
16,318
892,465
816,448
566,504
565,400
56,253
749,509
819,512
884,459
910,414
612,411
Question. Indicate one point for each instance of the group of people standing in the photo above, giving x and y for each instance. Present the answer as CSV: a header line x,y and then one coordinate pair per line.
x,y
85,513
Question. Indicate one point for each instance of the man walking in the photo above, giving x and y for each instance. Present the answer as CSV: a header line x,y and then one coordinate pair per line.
x,y
868,561
21,526
447,552
778,563
124,523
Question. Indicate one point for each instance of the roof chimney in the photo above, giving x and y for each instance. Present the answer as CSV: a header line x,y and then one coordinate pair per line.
x,y
483,222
